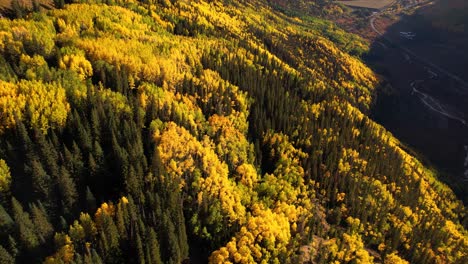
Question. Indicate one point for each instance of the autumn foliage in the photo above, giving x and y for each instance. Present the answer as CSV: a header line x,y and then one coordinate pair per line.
x,y
219,131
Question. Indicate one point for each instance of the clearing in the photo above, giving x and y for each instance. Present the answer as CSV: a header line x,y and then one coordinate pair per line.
x,y
6,4
373,4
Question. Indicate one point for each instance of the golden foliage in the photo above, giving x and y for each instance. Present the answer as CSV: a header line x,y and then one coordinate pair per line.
x,y
5,178
336,157
261,240
77,63
181,154
12,105
394,259
105,209
65,252
42,105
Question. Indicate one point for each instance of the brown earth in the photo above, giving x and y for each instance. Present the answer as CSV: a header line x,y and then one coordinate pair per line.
x,y
374,4
6,4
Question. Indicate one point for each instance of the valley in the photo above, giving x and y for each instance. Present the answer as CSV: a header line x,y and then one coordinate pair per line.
x,y
373,4
227,132
427,107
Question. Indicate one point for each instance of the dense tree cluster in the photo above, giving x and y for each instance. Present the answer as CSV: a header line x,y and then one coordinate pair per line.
x,y
161,131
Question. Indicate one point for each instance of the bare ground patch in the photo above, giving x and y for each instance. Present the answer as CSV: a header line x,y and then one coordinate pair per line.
x,y
374,4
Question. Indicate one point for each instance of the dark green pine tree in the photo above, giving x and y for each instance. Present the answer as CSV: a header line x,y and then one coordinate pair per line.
x,y
141,224
90,200
147,254
59,3
77,161
98,153
95,124
93,168
40,181
175,211
36,6
25,227
120,221
24,139
139,249
22,150
81,131
87,259
78,259
54,139
153,246
68,159
95,257
172,250
17,9
110,239
67,190
131,182
181,232
63,225
5,257
92,258
48,153
44,229
12,246
6,223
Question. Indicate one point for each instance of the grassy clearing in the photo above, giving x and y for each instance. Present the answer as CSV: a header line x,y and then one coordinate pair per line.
x,y
26,3
375,4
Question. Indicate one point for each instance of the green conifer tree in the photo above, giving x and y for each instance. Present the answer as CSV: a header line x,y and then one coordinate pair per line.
x,y
41,222
153,245
25,227
90,200
5,257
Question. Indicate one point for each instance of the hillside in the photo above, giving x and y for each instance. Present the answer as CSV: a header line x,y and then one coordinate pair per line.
x,y
450,15
204,131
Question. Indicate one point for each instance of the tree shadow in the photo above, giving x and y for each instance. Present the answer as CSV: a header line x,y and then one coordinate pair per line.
x,y
6,12
429,120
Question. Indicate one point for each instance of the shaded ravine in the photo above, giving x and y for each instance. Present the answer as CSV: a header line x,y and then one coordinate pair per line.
x,y
433,104
415,56
425,106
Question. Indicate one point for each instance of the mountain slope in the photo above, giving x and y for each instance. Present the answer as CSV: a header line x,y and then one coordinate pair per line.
x,y
450,15
156,132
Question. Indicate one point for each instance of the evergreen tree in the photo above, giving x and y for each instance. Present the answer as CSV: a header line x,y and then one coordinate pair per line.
x,y
139,249
24,225
41,222
5,181
67,190
90,200
6,223
63,225
59,3
36,6
47,152
258,140
40,181
153,246
172,250
12,246
5,257
109,239
95,257
17,8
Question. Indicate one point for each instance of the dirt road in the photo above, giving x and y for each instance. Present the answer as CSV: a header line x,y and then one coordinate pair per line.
x,y
414,55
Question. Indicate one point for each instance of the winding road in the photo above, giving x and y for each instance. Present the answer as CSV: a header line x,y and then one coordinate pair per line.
x,y
433,104
374,16
430,67
433,70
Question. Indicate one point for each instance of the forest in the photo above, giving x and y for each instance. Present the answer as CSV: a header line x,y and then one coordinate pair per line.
x,y
207,131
